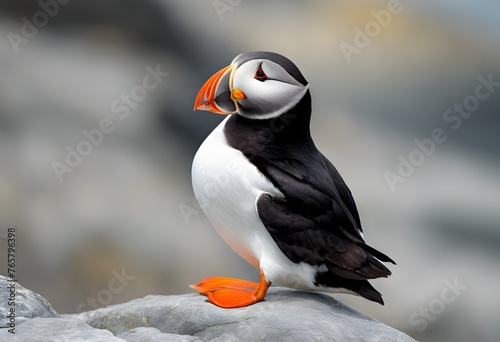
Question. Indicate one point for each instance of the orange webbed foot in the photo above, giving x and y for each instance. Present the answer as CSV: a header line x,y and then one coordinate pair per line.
x,y
232,293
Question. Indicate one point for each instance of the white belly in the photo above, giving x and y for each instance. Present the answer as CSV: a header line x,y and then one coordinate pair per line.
x,y
227,187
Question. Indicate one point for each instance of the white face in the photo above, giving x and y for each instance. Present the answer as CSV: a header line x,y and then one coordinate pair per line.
x,y
269,89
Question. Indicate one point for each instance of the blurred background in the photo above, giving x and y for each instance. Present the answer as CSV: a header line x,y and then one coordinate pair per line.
x,y
128,208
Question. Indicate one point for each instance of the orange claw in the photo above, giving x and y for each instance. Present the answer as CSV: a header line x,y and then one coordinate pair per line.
x,y
232,293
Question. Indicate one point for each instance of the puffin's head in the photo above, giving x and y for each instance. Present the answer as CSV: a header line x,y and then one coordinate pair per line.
x,y
256,85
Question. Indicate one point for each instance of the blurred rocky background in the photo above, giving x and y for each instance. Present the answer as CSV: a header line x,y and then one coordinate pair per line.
x,y
121,222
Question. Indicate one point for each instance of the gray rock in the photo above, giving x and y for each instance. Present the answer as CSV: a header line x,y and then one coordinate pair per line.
x,y
285,315
28,304
57,329
154,335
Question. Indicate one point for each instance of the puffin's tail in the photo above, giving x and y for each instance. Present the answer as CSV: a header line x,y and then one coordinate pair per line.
x,y
366,290
360,287
373,268
377,254
355,277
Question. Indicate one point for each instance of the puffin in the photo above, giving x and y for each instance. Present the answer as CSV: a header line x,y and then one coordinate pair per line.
x,y
271,194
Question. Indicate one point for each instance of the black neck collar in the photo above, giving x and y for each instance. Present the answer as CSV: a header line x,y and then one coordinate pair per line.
x,y
272,137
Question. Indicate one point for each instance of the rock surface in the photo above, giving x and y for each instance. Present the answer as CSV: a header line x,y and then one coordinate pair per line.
x,y
28,304
285,315
57,329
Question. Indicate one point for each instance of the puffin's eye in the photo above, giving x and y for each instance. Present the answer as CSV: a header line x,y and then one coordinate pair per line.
x,y
260,74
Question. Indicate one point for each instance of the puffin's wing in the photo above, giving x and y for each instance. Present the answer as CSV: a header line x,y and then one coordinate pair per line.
x,y
317,221
328,186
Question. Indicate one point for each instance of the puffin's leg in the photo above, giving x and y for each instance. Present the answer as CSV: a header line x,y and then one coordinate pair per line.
x,y
232,293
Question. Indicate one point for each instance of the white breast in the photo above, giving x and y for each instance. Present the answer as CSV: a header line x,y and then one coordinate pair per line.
x,y
227,187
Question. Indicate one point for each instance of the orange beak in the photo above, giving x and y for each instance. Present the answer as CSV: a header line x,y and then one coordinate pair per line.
x,y
216,94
